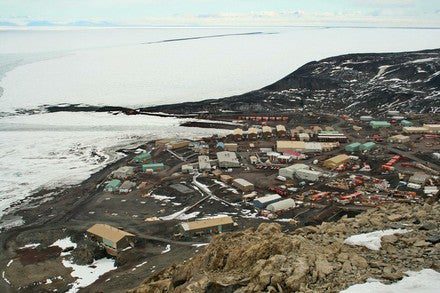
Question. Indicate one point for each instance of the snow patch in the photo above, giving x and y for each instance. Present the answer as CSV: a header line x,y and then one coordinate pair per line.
x,y
372,240
425,281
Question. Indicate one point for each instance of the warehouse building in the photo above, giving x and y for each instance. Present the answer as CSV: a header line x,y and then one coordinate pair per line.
x,y
262,202
368,146
142,158
415,130
332,136
290,145
227,160
306,174
281,205
379,124
113,185
312,147
399,139
289,172
207,226
204,163
336,161
243,185
153,167
231,147
432,128
353,147
281,130
113,239
123,172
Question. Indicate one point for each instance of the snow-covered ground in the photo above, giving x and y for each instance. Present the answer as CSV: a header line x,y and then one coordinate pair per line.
x,y
425,281
372,240
59,149
122,67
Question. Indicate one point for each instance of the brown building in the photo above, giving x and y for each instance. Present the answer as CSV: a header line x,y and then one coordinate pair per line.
x,y
336,161
113,239
243,185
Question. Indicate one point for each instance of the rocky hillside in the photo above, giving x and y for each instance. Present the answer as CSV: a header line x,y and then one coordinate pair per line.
x,y
354,83
313,259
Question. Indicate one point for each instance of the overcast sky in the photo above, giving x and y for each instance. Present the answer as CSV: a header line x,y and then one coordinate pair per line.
x,y
226,12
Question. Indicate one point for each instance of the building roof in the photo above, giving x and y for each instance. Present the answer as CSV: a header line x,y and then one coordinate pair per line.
x,y
290,144
339,159
268,198
242,182
281,128
238,131
207,223
267,129
281,205
227,157
252,130
127,185
114,183
108,232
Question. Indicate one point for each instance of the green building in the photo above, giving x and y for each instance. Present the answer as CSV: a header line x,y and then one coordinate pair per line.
x,y
329,132
406,123
367,146
379,124
153,166
353,147
113,185
142,158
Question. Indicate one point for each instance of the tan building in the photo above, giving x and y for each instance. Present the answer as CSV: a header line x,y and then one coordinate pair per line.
x,y
177,144
267,131
238,134
231,147
112,238
290,145
207,226
432,128
161,142
243,185
226,178
336,161
316,129
281,130
296,130
399,139
304,136
252,133
415,130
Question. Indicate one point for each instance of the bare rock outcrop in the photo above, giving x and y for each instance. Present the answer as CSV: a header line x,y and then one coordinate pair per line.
x,y
312,259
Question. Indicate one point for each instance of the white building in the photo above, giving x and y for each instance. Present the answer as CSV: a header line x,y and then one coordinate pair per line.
x,y
281,205
227,160
306,174
304,137
204,163
289,172
263,201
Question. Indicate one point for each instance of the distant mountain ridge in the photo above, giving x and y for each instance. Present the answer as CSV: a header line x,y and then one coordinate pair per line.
x,y
353,83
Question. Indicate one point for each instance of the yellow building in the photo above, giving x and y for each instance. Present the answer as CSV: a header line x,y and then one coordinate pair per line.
x,y
336,161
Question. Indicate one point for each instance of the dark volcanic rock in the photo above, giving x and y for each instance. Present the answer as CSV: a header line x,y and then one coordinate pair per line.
x,y
354,83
